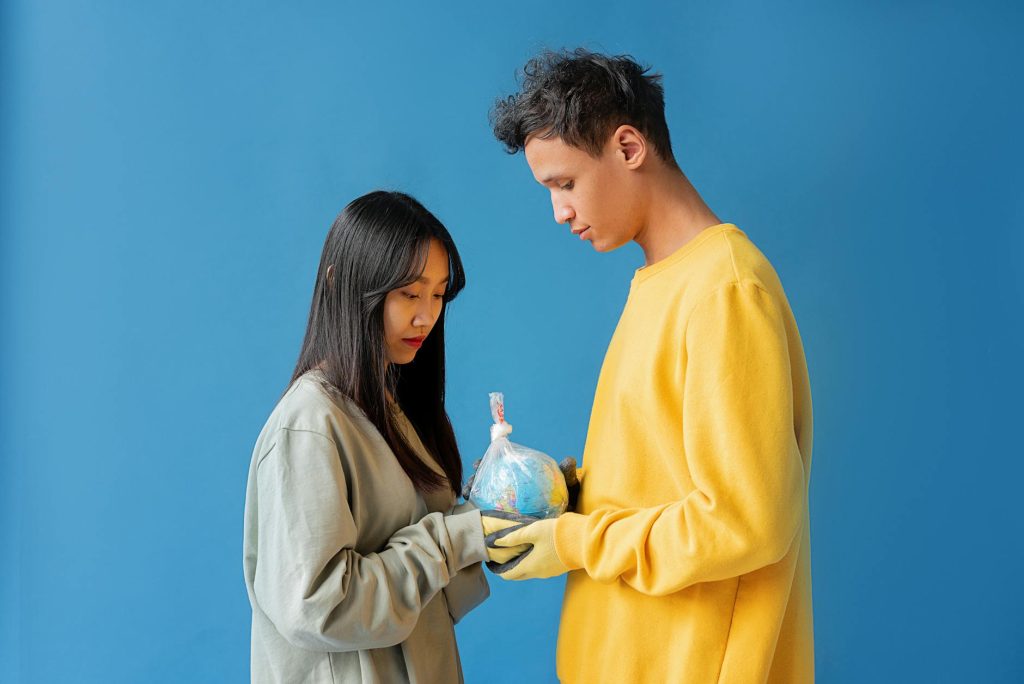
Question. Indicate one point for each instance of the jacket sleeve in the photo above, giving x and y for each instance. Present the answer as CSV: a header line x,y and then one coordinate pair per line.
x,y
317,590
469,588
466,591
740,448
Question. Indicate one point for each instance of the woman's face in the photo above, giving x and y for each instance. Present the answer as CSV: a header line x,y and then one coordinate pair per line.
x,y
411,311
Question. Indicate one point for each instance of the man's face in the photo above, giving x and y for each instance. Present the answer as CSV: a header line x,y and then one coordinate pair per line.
x,y
594,196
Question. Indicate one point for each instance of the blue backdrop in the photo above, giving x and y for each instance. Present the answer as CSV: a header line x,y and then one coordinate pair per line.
x,y
168,176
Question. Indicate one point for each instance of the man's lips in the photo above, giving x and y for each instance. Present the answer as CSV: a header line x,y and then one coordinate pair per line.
x,y
580,230
414,342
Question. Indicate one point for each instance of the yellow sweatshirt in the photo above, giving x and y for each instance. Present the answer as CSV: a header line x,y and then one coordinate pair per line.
x,y
690,550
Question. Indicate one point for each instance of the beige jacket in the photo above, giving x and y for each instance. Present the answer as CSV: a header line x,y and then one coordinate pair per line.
x,y
352,575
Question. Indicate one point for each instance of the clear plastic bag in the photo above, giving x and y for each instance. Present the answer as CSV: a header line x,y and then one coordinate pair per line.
x,y
514,478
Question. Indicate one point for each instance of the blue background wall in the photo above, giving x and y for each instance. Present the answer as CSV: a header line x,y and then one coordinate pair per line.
x,y
168,177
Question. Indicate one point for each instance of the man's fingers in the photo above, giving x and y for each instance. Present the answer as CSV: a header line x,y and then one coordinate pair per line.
x,y
499,554
568,467
503,568
509,537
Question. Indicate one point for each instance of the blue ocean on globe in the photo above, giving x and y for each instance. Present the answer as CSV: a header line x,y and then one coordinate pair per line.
x,y
517,479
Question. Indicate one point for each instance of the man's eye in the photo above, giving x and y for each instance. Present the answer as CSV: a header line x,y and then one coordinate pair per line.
x,y
568,186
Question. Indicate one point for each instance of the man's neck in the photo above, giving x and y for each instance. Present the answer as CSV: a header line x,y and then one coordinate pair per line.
x,y
675,215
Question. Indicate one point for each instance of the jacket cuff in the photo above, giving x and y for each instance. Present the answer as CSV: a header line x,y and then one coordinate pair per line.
x,y
467,536
570,530
467,590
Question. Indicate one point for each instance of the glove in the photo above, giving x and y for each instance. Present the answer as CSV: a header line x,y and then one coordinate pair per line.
x,y
572,480
495,522
468,487
538,561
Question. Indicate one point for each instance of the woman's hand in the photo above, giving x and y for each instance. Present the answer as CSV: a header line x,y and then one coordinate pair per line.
x,y
495,522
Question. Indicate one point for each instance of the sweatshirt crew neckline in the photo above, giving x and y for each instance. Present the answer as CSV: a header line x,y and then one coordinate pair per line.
x,y
646,272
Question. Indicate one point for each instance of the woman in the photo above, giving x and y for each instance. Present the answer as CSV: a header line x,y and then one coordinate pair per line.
x,y
356,563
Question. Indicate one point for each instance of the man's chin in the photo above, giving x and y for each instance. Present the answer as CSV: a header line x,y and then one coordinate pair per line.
x,y
605,245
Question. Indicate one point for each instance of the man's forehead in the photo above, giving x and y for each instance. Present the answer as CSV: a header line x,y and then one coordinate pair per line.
x,y
549,158
539,144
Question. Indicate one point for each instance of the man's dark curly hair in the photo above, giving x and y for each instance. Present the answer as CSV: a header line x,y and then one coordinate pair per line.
x,y
582,97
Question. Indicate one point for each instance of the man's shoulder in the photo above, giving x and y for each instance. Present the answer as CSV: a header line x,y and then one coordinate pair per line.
x,y
736,248
722,258
732,262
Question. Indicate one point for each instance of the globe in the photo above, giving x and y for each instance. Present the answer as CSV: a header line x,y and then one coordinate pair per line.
x,y
517,479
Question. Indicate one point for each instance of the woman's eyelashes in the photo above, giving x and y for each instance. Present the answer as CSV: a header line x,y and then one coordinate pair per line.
x,y
413,295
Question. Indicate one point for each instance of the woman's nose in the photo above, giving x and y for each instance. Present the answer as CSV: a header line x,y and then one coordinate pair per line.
x,y
424,317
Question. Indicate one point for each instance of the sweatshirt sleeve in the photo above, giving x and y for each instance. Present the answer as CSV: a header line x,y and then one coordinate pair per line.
x,y
741,452
318,591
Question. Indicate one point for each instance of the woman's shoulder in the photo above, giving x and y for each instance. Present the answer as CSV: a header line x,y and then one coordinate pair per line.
x,y
307,424
321,419
310,404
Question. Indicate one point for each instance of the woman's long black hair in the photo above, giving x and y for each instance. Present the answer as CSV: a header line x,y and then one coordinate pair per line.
x,y
378,243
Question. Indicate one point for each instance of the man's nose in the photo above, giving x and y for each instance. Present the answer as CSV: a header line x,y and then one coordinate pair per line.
x,y
563,212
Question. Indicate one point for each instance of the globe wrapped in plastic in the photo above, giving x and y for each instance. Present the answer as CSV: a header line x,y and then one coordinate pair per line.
x,y
515,478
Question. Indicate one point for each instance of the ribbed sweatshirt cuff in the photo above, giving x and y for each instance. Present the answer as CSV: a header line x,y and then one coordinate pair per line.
x,y
570,529
467,535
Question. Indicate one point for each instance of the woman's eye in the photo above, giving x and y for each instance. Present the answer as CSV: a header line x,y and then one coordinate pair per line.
x,y
440,296
410,295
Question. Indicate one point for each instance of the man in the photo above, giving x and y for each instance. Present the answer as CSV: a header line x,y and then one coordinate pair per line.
x,y
689,552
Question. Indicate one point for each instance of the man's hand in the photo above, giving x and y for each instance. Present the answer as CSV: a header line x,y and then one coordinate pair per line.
x,y
572,477
538,561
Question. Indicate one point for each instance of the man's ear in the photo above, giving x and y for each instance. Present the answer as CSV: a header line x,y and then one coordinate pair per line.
x,y
330,275
631,145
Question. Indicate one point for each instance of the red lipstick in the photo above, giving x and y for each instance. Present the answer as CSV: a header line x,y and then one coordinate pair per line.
x,y
414,342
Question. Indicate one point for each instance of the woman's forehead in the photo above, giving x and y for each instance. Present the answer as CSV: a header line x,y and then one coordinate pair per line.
x,y
433,266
